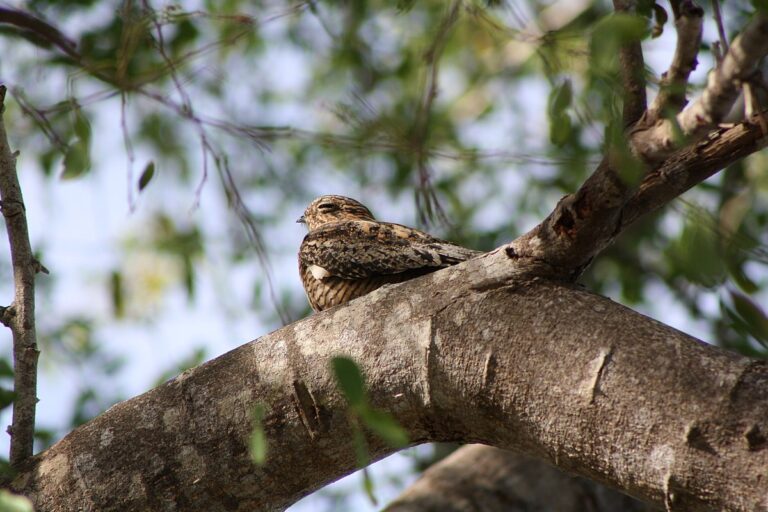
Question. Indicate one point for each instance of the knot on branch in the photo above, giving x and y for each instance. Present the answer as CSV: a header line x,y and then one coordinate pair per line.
x,y
39,267
755,438
7,314
12,208
688,9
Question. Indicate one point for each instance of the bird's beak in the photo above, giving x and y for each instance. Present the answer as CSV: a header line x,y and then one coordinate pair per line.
x,y
301,220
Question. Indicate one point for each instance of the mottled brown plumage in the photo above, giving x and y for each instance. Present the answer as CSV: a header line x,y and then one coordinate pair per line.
x,y
348,253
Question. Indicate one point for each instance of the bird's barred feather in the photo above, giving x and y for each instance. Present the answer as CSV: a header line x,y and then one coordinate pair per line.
x,y
356,249
347,253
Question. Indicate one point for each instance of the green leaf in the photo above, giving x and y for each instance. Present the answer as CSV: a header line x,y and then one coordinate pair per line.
x,y
561,98
742,280
147,175
77,160
760,5
609,34
385,426
82,126
362,458
360,446
350,380
118,293
258,441
6,370
560,129
6,471
6,397
696,255
10,502
368,487
754,317
617,29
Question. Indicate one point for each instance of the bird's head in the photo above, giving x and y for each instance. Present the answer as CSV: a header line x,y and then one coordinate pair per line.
x,y
327,209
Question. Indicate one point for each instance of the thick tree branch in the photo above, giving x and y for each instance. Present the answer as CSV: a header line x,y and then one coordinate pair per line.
x,y
689,20
474,353
656,142
481,478
586,222
581,225
20,316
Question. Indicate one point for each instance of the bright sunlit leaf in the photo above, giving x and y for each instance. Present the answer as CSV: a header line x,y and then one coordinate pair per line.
x,y
258,441
10,502
385,426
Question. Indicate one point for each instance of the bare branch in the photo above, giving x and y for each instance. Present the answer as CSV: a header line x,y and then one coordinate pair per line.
x,y
22,321
694,164
720,25
655,143
632,67
671,97
427,201
477,477
43,30
584,223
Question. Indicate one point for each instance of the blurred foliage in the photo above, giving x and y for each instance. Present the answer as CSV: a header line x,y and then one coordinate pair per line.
x,y
258,441
471,118
352,384
10,502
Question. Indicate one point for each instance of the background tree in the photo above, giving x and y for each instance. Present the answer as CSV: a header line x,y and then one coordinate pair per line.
x,y
229,118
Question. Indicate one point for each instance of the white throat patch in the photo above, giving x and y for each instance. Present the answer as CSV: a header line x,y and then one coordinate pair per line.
x,y
318,272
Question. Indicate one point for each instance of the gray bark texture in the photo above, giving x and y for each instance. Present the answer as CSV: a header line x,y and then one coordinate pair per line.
x,y
473,353
477,478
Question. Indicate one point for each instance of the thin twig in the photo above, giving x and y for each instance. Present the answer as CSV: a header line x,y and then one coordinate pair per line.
x,y
22,319
426,199
671,98
720,26
242,211
41,29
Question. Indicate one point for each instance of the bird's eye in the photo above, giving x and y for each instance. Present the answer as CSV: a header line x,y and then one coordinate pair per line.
x,y
327,207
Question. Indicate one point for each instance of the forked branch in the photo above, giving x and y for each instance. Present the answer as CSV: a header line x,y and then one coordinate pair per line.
x,y
689,19
655,142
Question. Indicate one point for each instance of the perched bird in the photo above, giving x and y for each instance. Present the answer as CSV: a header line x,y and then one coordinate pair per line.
x,y
348,253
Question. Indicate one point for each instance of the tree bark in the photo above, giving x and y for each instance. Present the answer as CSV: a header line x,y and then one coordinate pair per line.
x,y
473,353
20,315
477,478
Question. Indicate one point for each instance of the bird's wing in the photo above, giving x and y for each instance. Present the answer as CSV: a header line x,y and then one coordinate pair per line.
x,y
357,249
